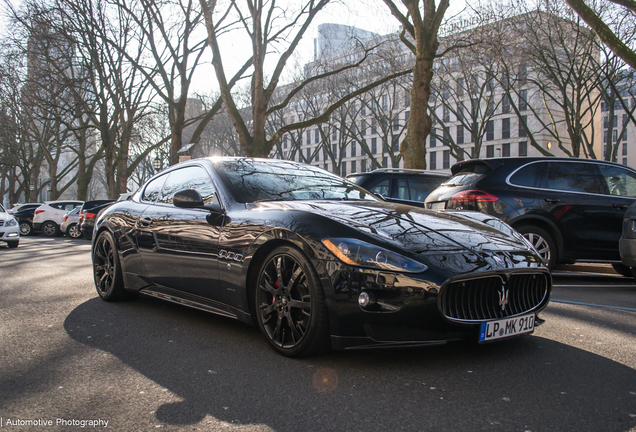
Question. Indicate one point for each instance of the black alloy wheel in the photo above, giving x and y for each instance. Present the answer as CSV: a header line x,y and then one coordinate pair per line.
x,y
25,228
290,304
73,231
50,229
106,269
542,242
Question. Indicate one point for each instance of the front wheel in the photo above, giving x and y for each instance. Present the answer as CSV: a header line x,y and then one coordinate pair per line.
x,y
25,229
290,304
107,273
542,242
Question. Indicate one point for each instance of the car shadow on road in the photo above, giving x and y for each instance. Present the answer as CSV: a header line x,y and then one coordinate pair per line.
x,y
225,369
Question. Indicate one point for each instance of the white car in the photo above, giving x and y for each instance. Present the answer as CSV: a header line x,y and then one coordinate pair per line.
x,y
50,215
9,229
70,226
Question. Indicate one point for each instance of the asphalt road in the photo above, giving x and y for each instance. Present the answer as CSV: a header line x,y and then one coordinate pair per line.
x,y
65,355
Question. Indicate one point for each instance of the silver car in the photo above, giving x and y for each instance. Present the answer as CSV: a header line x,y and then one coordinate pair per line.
x,y
70,224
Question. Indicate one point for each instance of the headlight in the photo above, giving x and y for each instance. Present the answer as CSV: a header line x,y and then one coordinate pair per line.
x,y
11,222
361,254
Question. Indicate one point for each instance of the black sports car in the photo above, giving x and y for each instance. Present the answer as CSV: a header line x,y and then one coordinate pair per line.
x,y
315,260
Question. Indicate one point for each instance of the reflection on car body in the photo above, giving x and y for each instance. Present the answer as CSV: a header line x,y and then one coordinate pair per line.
x,y
316,261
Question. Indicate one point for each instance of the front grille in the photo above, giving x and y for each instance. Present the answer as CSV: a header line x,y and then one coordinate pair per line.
x,y
482,299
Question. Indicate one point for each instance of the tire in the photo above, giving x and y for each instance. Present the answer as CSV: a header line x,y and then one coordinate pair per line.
x,y
50,229
290,304
73,231
13,244
622,269
542,242
25,228
107,273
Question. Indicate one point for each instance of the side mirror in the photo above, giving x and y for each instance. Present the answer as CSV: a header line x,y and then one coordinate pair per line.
x,y
189,198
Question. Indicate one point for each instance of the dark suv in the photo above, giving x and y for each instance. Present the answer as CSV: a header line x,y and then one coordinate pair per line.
x,y
406,186
569,209
87,214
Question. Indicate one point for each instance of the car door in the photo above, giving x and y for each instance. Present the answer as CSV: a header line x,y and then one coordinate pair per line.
x,y
620,193
574,198
179,247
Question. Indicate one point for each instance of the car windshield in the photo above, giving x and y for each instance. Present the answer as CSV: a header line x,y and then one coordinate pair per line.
x,y
250,180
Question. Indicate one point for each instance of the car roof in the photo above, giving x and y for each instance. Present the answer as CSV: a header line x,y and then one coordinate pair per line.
x,y
495,163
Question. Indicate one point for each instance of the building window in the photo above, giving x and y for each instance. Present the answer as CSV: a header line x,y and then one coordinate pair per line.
x,y
624,161
490,108
433,142
344,170
475,106
490,130
446,114
353,166
446,159
505,104
490,151
460,87
374,126
354,150
374,145
615,135
523,100
363,165
460,134
334,150
334,134
363,127
624,149
374,106
396,143
505,150
523,148
396,124
605,122
490,85
522,130
433,160
308,155
385,102
363,110
523,75
316,136
460,112
385,162
505,128
615,121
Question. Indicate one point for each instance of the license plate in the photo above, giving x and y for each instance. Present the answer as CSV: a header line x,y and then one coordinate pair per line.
x,y
438,205
504,328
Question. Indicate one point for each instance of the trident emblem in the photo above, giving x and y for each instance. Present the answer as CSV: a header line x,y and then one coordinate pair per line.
x,y
503,297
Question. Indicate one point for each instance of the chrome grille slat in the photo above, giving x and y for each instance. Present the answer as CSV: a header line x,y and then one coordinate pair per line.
x,y
478,299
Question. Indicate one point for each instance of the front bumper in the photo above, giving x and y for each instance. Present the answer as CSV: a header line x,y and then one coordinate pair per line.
x,y
10,234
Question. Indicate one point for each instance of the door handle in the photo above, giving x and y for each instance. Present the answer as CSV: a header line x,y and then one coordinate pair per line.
x,y
551,200
145,221
621,206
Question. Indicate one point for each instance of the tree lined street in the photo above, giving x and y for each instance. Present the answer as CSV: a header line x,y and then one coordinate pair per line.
x,y
147,364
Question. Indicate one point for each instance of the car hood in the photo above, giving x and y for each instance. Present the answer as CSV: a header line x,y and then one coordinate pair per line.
x,y
5,216
420,231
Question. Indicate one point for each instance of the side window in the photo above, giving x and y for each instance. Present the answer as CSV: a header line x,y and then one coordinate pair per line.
x,y
420,188
403,189
619,181
573,177
381,188
529,175
153,189
188,178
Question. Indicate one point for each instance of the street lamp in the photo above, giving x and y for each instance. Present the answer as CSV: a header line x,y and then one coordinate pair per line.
x,y
156,164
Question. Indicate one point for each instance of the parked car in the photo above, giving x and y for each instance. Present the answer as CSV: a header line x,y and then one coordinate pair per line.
x,y
48,217
87,214
22,206
24,215
405,186
627,243
9,229
315,260
70,225
569,209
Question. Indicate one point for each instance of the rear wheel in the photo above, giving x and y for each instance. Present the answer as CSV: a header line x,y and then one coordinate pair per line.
x,y
542,242
107,273
290,304
622,269
25,228
74,231
50,229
